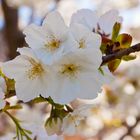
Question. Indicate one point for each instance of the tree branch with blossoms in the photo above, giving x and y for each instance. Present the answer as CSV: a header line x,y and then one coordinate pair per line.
x,y
62,64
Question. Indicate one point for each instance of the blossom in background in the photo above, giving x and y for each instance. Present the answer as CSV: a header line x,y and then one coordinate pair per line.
x,y
39,7
31,76
50,40
101,24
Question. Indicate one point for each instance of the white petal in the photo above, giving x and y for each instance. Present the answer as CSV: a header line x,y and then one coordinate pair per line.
x,y
48,57
16,67
85,17
35,36
79,31
91,39
90,86
69,44
27,90
54,25
27,52
69,91
108,20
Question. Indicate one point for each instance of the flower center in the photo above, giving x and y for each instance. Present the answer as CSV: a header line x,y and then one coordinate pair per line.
x,y
53,45
70,69
82,43
35,71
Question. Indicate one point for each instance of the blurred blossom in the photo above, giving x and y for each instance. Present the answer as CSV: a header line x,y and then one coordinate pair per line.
x,y
40,7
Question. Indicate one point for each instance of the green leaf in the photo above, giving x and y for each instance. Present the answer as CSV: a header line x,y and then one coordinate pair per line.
x,y
129,57
125,41
113,65
116,30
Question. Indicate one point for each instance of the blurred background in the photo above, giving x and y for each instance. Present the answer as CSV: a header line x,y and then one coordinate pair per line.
x,y
118,116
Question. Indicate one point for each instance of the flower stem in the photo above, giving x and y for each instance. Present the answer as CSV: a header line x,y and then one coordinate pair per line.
x,y
20,132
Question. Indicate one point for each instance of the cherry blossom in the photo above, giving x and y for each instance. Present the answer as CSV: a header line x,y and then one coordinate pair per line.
x,y
50,40
32,77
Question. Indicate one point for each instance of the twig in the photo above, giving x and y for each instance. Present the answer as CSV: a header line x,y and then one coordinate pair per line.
x,y
13,35
120,54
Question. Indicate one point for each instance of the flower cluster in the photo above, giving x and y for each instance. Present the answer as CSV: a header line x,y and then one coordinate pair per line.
x,y
61,61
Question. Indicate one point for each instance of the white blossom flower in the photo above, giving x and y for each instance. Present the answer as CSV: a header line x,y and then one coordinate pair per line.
x,y
78,76
31,76
101,24
85,38
50,40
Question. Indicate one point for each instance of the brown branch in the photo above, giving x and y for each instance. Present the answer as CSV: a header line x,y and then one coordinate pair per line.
x,y
13,35
120,54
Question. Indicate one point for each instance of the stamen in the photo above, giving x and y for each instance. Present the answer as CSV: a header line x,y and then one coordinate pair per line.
x,y
53,45
35,71
82,43
70,69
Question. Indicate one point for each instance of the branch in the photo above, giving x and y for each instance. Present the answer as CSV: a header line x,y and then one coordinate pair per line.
x,y
120,54
13,35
